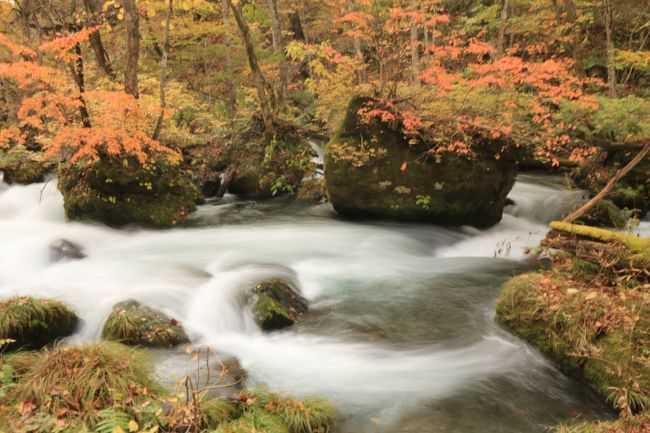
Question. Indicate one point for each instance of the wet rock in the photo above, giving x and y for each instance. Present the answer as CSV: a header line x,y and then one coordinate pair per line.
x,y
21,166
135,324
65,250
373,170
33,323
276,305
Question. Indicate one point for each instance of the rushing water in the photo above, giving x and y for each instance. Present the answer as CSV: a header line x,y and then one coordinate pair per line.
x,y
401,332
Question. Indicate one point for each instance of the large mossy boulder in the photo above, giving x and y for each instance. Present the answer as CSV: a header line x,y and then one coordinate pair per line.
x,y
135,324
374,170
33,323
276,305
22,166
119,191
632,192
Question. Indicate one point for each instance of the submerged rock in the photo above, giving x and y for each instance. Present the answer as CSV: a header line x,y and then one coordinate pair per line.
x,y
33,323
119,192
373,170
135,324
65,250
276,305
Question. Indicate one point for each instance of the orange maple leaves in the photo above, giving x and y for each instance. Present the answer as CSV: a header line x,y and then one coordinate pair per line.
x,y
51,114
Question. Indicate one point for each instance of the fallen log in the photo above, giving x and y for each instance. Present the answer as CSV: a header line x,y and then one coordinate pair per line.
x,y
609,249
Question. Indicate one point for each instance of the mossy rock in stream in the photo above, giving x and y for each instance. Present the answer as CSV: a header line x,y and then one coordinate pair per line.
x,y
597,334
135,324
22,166
373,170
120,191
263,411
33,323
276,305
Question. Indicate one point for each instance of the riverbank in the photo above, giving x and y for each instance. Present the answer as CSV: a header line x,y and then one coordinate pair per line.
x,y
590,314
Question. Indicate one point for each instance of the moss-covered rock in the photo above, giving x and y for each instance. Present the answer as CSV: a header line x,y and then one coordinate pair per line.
x,y
272,413
135,324
275,304
263,166
121,191
598,334
312,190
373,170
21,166
33,323
632,192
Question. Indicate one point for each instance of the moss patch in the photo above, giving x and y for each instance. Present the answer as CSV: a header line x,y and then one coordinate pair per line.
x,y
78,387
33,323
595,332
22,166
276,305
138,325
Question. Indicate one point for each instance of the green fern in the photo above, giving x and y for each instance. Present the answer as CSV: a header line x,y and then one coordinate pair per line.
x,y
110,419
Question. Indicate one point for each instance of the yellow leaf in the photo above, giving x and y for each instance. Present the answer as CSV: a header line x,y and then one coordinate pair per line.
x,y
591,296
133,426
118,429
153,429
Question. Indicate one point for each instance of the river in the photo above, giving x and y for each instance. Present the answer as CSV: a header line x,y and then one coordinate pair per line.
x,y
401,332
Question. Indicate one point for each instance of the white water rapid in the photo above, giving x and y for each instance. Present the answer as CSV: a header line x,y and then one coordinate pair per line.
x,y
401,328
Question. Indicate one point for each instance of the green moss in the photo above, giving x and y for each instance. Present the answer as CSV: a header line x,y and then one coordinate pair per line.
x,y
604,214
34,323
276,305
134,324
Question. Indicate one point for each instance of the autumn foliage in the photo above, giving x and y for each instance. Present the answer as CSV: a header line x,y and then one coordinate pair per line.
x,y
69,125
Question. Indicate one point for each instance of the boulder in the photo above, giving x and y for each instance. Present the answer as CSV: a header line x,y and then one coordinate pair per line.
x,y
65,250
604,214
33,323
276,305
119,191
21,166
373,170
134,324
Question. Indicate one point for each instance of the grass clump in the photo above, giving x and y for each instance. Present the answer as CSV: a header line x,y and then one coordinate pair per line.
x,y
636,424
255,420
217,411
134,324
78,386
33,323
596,331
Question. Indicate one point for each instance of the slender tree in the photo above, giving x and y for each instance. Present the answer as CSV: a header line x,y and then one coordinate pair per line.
x,y
611,67
132,23
163,70
101,56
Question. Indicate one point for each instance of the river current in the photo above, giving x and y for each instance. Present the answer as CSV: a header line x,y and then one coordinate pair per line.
x,y
400,334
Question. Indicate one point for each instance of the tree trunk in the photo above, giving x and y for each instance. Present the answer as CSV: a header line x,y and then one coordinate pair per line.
x,y
132,23
610,185
163,71
415,54
278,47
296,27
572,18
611,67
95,39
232,91
503,22
427,44
77,70
266,103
